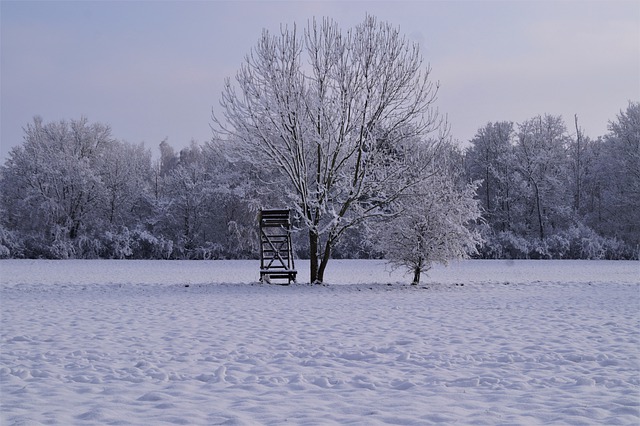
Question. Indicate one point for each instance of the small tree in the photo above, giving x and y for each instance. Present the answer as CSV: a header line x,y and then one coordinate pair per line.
x,y
433,222
314,109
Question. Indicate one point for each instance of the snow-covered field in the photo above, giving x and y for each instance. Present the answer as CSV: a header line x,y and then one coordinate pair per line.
x,y
171,342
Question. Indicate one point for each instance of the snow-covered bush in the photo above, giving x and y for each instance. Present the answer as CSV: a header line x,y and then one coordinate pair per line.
x,y
62,249
118,243
5,253
514,246
558,246
242,240
147,246
577,242
10,244
584,243
616,249
210,251
88,247
123,243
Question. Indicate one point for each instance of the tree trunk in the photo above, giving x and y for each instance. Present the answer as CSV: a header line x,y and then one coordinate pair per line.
x,y
324,262
313,256
416,276
73,232
578,166
539,210
488,190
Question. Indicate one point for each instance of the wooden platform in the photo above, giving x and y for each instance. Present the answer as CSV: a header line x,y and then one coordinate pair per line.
x,y
276,251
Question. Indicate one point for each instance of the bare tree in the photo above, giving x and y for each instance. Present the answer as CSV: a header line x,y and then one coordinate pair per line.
x,y
316,108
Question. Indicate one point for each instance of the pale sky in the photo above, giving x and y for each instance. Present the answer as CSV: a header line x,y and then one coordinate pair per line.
x,y
155,69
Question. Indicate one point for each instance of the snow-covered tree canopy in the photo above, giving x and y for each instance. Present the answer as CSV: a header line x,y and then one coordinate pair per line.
x,y
326,108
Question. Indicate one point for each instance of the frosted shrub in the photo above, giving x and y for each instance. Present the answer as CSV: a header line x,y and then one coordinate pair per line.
x,y
147,246
584,243
492,247
553,247
34,246
144,245
592,247
558,246
616,249
241,241
576,242
4,252
514,246
118,243
89,247
135,244
10,244
540,249
210,251
62,249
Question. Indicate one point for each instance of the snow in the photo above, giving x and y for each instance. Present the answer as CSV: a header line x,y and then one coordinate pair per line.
x,y
172,342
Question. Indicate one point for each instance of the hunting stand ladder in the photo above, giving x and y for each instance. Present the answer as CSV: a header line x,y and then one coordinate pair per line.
x,y
276,251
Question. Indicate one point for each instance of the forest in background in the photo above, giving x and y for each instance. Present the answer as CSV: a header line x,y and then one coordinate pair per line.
x,y
546,190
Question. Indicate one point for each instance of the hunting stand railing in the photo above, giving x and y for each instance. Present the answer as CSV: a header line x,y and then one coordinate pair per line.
x,y
276,251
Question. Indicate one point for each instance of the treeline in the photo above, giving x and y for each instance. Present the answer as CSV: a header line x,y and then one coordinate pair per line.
x,y
548,192
72,190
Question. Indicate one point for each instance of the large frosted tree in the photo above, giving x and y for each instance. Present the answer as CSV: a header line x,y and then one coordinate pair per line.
x,y
50,180
331,112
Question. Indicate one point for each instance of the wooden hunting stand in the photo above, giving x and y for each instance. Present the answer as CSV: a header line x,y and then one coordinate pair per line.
x,y
276,251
